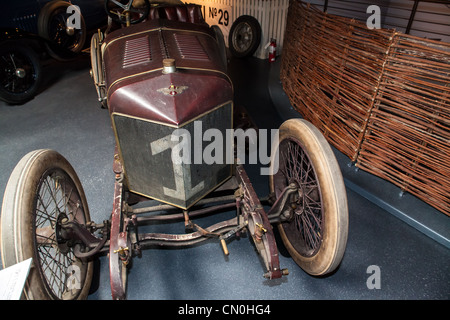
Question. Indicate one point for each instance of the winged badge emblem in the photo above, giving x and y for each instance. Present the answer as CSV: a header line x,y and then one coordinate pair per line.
x,y
172,90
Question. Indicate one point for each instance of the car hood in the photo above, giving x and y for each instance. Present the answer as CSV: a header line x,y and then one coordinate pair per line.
x,y
137,84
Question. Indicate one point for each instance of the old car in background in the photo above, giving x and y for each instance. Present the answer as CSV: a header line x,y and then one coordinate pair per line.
x,y
160,72
29,28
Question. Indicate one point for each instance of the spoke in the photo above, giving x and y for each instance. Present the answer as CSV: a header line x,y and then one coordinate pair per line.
x,y
49,260
42,200
289,169
57,195
47,198
297,167
62,197
117,13
53,269
123,6
315,207
44,215
67,199
45,236
309,231
52,191
12,60
298,162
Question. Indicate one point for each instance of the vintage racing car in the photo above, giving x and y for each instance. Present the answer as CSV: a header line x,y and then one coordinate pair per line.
x,y
161,72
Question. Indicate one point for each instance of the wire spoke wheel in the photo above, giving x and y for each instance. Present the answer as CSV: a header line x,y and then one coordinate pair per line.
x,y
315,234
65,41
305,228
57,198
43,190
59,34
20,73
244,37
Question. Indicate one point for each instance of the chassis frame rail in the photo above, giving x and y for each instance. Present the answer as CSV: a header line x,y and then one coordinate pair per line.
x,y
121,240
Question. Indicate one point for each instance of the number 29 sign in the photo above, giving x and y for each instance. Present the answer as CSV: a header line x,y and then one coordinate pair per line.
x,y
217,14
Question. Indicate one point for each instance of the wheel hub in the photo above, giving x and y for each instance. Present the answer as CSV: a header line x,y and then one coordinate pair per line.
x,y
20,73
63,244
243,37
70,31
305,196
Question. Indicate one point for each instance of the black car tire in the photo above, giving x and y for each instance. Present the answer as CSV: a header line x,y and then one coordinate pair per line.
x,y
50,28
221,42
244,36
15,89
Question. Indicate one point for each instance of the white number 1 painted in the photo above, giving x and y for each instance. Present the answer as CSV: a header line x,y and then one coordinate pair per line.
x,y
183,184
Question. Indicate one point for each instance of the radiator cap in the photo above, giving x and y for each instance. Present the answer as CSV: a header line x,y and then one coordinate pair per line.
x,y
169,66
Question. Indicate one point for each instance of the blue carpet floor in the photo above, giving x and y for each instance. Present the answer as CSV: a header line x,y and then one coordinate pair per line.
x,y
66,117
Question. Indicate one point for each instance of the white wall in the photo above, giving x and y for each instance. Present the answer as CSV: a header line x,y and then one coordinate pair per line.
x,y
271,15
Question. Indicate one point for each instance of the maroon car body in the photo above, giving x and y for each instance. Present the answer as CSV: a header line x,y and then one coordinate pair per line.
x,y
140,52
148,101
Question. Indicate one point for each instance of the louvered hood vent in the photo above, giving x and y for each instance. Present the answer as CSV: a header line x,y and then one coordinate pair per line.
x,y
136,51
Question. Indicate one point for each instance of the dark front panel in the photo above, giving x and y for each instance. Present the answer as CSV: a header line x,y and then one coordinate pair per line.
x,y
175,165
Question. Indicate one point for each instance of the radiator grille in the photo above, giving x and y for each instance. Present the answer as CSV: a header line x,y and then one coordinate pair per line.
x,y
146,151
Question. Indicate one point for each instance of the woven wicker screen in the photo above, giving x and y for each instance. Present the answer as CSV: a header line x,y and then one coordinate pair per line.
x,y
379,96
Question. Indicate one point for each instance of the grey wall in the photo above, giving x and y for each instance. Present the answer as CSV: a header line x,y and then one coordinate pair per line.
x,y
432,20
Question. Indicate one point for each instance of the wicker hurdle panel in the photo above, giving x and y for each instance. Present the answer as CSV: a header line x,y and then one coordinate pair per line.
x,y
330,70
379,96
407,140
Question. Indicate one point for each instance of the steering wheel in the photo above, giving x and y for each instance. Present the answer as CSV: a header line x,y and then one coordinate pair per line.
x,y
123,11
